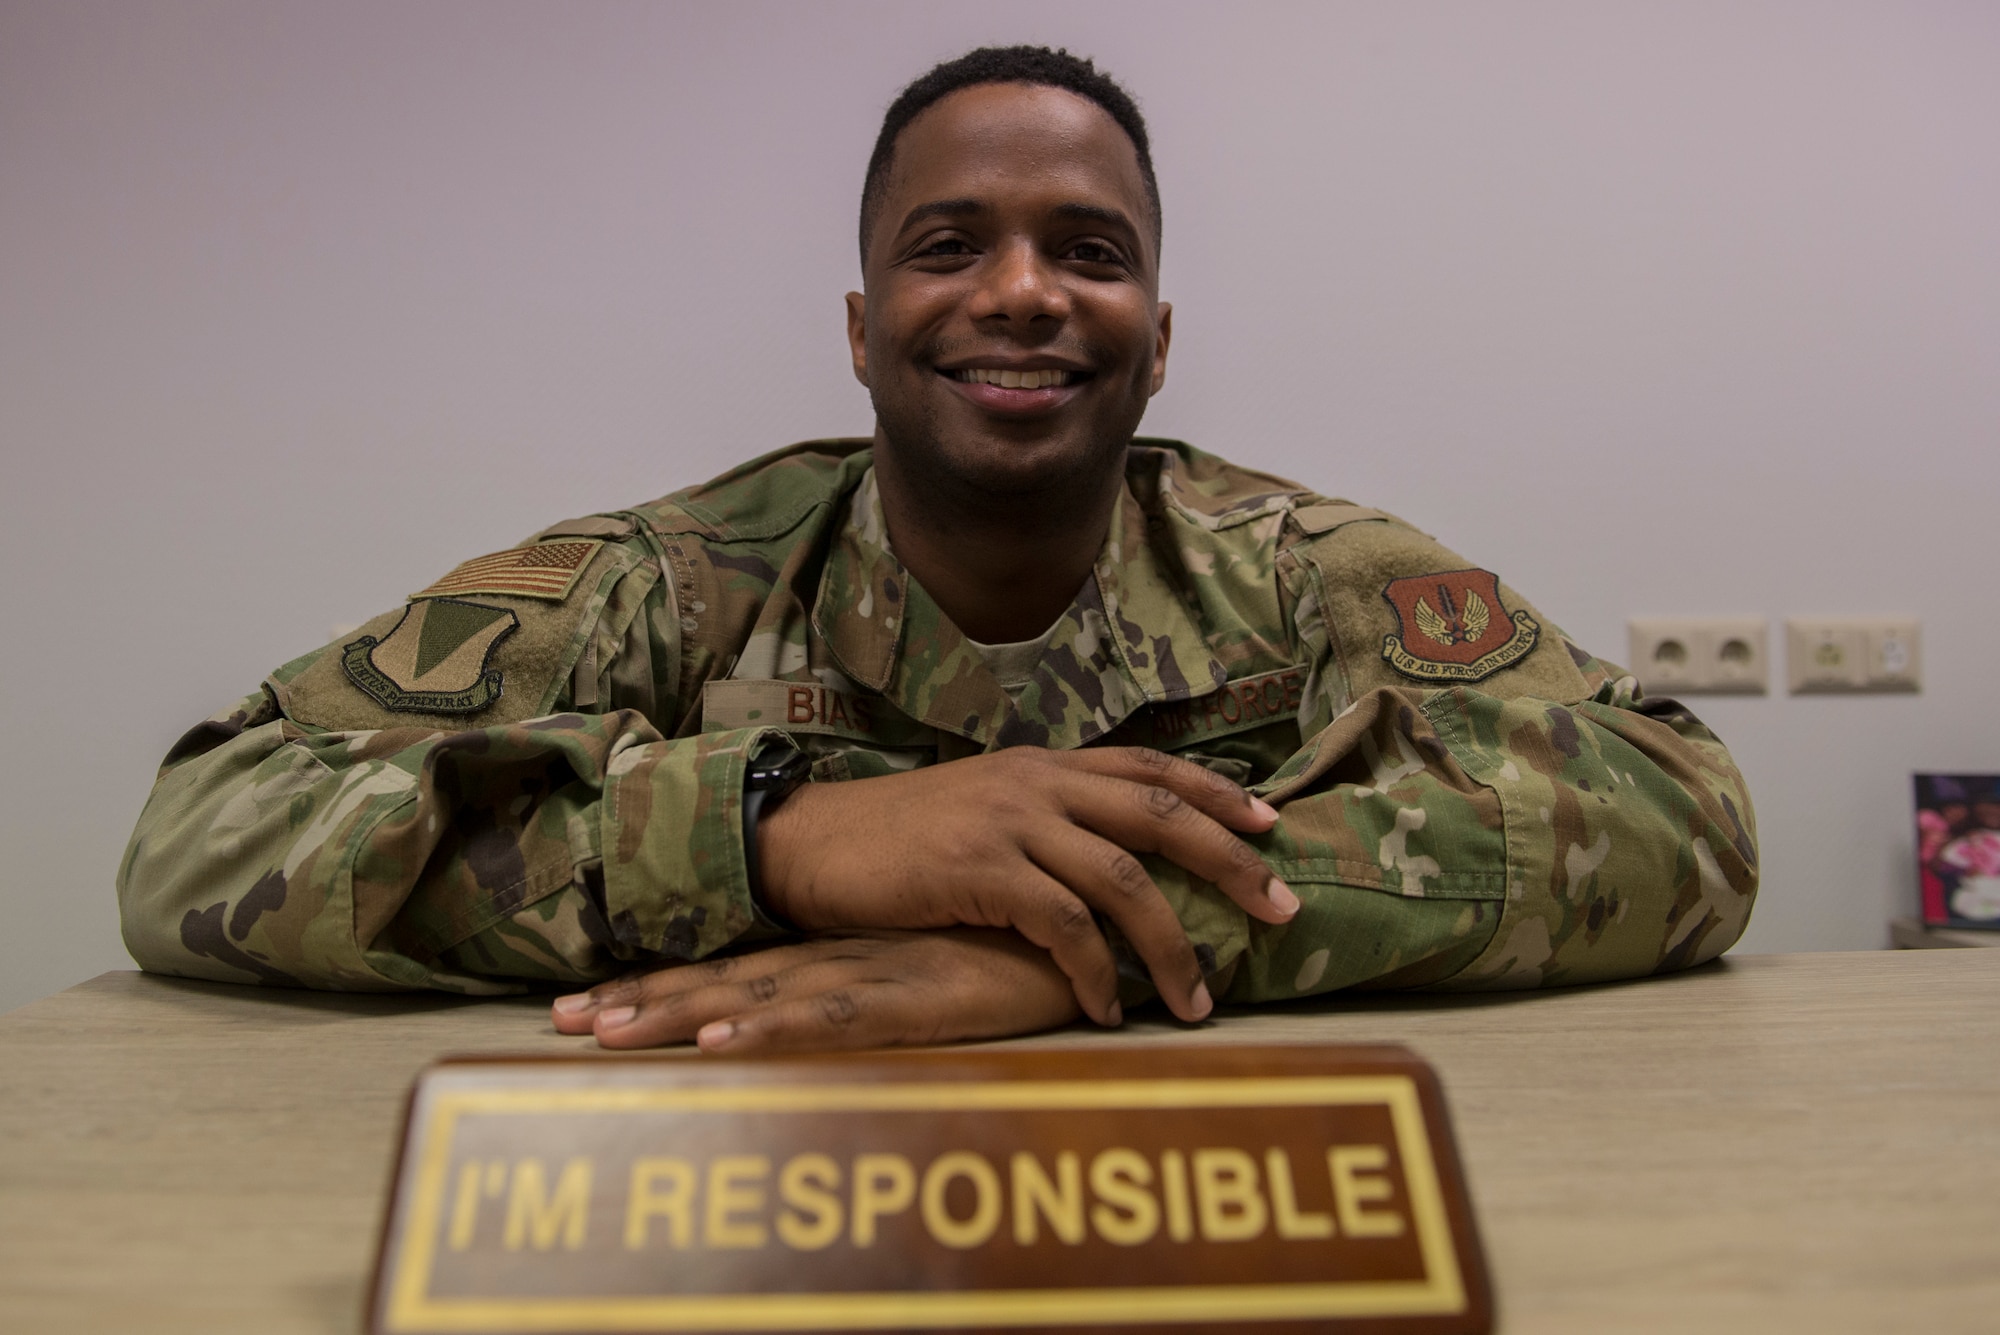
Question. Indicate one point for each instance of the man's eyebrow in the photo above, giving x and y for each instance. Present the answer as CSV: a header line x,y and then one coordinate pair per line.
x,y
964,208
1095,213
941,208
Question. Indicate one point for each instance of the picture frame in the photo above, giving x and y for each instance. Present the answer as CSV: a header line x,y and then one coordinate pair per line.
x,y
1958,849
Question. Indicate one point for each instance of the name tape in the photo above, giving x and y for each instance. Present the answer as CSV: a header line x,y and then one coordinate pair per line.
x,y
808,707
1237,707
1098,1189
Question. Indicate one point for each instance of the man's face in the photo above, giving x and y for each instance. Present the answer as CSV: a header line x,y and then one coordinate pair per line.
x,y
1014,243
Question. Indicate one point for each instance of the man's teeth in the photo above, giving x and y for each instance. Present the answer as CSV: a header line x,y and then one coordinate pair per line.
x,y
1016,379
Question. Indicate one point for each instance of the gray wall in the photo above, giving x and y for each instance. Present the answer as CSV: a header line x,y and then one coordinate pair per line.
x,y
1656,308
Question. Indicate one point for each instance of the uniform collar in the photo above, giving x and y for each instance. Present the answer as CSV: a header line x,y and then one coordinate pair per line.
x,y
1128,640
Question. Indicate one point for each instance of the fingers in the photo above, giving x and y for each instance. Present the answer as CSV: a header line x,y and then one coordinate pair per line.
x,y
662,995
580,1012
683,1001
1209,792
1158,819
965,985
1048,913
1113,881
871,990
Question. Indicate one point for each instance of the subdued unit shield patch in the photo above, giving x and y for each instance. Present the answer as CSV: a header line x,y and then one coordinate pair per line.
x,y
546,570
1455,628
435,660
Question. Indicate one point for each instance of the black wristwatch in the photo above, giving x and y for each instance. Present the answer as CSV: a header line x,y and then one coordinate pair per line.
x,y
775,773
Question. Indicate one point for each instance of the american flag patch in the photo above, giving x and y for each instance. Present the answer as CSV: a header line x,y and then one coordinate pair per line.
x,y
546,570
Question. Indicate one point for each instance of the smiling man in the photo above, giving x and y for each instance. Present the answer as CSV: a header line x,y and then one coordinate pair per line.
x,y
1000,717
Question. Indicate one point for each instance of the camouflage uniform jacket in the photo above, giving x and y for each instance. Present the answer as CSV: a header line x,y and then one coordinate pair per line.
x,y
533,770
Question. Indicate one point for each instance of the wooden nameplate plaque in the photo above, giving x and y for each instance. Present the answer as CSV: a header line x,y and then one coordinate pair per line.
x,y
1091,1189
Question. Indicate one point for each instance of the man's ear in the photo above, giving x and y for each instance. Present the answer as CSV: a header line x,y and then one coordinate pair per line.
x,y
857,335
1165,336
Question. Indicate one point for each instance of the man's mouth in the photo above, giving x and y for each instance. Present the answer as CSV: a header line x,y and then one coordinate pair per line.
x,y
1049,379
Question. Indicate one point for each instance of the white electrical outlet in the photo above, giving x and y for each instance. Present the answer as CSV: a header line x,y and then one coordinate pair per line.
x,y
1834,654
1700,655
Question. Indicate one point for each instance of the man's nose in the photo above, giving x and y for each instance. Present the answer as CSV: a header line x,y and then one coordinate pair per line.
x,y
1020,284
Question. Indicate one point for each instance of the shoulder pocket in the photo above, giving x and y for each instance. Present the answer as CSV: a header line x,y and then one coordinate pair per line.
x,y
492,642
1405,610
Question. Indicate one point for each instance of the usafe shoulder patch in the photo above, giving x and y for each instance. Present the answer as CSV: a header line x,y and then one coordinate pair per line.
x,y
435,661
1239,706
805,706
546,570
1454,627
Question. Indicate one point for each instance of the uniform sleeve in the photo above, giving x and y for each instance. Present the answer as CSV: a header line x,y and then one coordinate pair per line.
x,y
1538,826
336,830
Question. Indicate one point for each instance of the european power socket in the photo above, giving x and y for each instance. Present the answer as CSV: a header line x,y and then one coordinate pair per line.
x,y
1701,655
1833,655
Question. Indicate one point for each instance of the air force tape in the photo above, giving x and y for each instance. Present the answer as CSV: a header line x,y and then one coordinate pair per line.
x,y
1089,1189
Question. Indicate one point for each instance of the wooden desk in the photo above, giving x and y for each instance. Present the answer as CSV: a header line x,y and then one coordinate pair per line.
x,y
1800,1142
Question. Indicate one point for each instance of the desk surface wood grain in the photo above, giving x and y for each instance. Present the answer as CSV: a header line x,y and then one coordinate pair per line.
x,y
1800,1142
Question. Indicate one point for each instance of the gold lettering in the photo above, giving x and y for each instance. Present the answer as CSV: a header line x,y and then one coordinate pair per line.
x,y
976,1227
534,1215
1345,1164
807,1182
646,1199
1292,1223
730,1189
465,1208
1035,1195
1174,1189
883,1184
1119,1178
1226,1195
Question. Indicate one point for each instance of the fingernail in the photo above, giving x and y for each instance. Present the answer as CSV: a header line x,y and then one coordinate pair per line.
x,y
575,1004
1263,808
717,1035
616,1016
1203,1003
1282,897
1115,1016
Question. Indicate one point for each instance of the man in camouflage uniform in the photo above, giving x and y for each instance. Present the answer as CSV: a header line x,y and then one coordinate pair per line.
x,y
1087,716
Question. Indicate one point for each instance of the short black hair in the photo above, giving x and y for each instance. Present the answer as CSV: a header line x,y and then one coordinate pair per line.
x,y
1004,64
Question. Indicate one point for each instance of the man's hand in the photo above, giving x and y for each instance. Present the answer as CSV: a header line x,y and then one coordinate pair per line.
x,y
1032,840
859,990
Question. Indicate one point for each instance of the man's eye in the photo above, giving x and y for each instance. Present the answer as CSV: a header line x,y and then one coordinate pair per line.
x,y
1094,252
946,246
